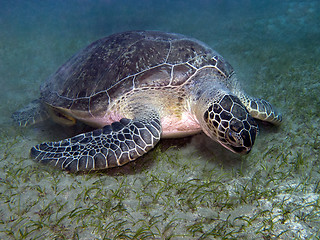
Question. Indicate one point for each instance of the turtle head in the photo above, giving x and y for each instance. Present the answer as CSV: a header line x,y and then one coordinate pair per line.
x,y
226,120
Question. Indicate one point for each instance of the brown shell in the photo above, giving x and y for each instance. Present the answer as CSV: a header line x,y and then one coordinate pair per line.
x,y
112,66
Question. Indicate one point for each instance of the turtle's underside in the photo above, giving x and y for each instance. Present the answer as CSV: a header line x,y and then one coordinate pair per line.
x,y
137,87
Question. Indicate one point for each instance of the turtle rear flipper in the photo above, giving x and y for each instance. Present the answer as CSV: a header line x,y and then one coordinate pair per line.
x,y
111,146
31,114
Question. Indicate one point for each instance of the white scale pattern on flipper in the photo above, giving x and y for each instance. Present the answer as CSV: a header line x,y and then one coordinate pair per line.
x,y
111,146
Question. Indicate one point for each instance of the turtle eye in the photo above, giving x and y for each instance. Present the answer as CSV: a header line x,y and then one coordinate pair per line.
x,y
230,136
233,137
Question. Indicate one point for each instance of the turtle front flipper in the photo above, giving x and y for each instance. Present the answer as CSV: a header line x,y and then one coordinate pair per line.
x,y
33,113
111,146
261,109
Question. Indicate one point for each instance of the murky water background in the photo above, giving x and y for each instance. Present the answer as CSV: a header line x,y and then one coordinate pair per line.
x,y
188,188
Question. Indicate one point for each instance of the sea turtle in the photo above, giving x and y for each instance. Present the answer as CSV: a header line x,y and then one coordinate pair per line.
x,y
136,87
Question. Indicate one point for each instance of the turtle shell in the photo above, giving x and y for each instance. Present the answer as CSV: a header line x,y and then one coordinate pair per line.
x,y
112,66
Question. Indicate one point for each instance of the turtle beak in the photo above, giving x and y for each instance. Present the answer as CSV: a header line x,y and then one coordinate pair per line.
x,y
240,143
237,150
240,150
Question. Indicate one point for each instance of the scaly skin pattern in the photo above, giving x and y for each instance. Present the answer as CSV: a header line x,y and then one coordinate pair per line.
x,y
261,109
111,146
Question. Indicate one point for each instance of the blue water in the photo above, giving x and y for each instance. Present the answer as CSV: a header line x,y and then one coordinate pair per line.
x,y
191,188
